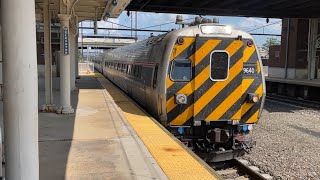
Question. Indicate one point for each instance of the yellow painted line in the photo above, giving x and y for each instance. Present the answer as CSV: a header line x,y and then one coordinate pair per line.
x,y
178,49
247,53
229,101
98,75
183,117
204,74
246,106
187,90
169,82
258,67
234,47
216,88
253,118
174,160
87,74
202,77
204,50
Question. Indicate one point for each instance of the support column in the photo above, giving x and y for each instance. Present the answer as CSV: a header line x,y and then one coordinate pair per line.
x,y
49,107
1,76
312,49
72,62
65,99
77,56
20,104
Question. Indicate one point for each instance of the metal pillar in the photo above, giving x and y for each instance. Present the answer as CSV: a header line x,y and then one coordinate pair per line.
x,y
77,56
20,104
57,59
72,38
1,79
81,40
287,50
312,49
65,99
48,106
136,24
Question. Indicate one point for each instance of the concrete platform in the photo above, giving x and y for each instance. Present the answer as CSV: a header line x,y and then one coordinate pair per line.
x,y
110,137
304,82
91,144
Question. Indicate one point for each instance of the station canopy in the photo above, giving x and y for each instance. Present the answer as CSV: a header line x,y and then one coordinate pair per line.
x,y
83,9
247,8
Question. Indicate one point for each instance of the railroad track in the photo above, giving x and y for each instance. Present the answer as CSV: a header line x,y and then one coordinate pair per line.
x,y
239,170
294,101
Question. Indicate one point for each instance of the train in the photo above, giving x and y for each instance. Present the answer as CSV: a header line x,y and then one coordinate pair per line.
x,y
203,83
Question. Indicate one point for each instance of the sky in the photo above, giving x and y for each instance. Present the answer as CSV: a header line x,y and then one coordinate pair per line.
x,y
250,24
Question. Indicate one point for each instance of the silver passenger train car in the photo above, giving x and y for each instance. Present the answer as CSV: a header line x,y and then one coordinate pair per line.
x,y
204,83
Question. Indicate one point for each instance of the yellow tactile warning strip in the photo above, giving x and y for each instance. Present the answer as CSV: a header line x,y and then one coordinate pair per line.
x,y
87,74
172,157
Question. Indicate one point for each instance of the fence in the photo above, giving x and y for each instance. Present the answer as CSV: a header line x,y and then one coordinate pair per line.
x,y
86,68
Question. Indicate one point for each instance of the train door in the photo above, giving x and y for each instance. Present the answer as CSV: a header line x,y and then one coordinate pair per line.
x,y
217,78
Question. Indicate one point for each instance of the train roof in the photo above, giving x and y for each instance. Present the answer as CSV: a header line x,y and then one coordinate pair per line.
x,y
211,30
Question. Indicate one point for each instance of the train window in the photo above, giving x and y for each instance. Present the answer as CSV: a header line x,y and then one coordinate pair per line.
x,y
219,65
181,70
155,74
132,70
140,72
137,71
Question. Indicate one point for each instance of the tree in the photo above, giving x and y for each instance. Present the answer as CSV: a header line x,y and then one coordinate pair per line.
x,y
271,41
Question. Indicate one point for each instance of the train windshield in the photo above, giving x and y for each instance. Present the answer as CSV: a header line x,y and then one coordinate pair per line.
x,y
219,65
181,70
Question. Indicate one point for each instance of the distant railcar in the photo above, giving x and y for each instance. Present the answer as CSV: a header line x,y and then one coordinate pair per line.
x,y
204,83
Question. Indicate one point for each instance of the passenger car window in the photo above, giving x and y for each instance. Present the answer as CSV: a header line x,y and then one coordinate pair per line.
x,y
181,70
219,65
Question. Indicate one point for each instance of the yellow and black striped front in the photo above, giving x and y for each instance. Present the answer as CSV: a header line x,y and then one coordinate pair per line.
x,y
209,99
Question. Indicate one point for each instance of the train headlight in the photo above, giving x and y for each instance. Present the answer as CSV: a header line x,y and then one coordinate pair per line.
x,y
181,99
180,41
214,29
253,98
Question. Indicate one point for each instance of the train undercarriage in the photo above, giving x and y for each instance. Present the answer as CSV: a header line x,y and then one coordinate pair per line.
x,y
216,141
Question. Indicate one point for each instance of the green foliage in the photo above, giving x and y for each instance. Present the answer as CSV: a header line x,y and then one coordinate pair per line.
x,y
79,56
271,41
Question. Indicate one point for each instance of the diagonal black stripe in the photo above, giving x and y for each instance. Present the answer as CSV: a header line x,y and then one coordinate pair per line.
x,y
250,113
253,58
189,122
175,112
203,64
233,110
209,83
185,54
221,96
178,86
205,61
253,87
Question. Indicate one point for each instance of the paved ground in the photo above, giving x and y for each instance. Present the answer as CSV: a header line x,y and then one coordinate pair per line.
x,y
90,144
288,142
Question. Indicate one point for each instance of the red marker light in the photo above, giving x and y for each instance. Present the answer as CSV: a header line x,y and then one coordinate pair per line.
x,y
250,43
180,41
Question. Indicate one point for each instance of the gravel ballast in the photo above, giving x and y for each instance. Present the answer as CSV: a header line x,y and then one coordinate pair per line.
x,y
288,142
